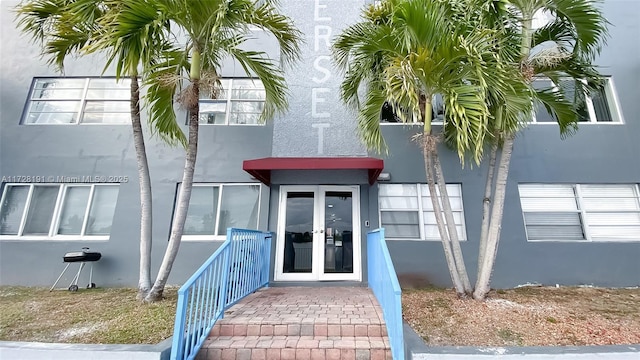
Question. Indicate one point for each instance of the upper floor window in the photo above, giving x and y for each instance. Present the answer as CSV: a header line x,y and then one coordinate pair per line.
x,y
239,103
215,207
601,106
389,116
581,212
406,211
57,211
79,101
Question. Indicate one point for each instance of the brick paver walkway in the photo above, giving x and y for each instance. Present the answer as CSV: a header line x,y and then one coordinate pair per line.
x,y
305,323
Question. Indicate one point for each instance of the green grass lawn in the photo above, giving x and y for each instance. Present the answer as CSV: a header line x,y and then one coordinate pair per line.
x,y
97,316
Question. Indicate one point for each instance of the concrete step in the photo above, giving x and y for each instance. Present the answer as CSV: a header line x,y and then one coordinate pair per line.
x,y
281,347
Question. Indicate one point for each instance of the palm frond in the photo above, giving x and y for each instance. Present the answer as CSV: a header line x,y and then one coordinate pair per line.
x,y
577,68
467,113
369,119
402,90
560,109
162,81
587,22
557,32
38,17
85,11
281,27
133,33
61,45
360,53
61,27
350,38
254,62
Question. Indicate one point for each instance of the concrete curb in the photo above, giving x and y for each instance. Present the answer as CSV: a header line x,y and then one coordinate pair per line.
x,y
56,351
416,349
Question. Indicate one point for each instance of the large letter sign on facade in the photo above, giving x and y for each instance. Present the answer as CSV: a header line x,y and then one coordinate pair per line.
x,y
317,123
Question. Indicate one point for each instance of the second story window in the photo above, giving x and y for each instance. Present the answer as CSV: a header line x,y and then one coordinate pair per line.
x,y
599,107
78,101
239,103
389,116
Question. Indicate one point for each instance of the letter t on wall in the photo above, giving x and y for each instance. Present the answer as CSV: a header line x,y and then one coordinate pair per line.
x,y
320,127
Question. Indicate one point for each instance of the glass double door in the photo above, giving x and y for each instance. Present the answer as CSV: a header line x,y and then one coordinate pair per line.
x,y
318,233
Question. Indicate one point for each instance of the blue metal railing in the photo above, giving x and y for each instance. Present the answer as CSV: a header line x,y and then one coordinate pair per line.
x,y
385,286
239,267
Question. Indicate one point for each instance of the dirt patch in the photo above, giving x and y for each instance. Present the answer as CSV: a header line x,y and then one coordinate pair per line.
x,y
78,331
528,316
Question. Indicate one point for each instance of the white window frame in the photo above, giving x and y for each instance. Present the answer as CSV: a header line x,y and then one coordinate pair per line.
x,y
55,222
221,187
611,99
229,101
420,209
82,100
584,216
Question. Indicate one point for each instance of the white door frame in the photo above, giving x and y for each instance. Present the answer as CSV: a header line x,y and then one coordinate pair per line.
x,y
318,245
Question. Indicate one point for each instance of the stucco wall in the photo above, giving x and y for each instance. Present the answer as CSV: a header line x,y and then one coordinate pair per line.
x,y
597,154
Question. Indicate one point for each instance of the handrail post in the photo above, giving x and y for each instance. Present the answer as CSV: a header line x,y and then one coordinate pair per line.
x,y
266,256
178,330
226,273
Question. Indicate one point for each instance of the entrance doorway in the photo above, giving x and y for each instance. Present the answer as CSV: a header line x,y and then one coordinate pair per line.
x,y
318,236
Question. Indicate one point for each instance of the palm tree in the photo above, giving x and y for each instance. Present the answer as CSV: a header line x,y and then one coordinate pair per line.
x,y
136,34
563,49
404,53
211,31
74,27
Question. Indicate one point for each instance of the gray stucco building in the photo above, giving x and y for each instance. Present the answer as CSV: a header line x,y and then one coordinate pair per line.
x,y
69,178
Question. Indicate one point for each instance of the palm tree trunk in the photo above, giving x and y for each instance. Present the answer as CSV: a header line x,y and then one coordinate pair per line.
x,y
446,244
487,255
495,222
144,281
430,151
486,205
525,47
184,196
451,226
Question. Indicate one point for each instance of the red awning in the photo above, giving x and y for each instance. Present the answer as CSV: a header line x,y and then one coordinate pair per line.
x,y
261,168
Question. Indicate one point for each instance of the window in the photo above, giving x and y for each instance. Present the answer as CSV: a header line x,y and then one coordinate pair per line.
x,y
57,211
581,212
240,102
388,115
406,211
600,107
79,101
214,208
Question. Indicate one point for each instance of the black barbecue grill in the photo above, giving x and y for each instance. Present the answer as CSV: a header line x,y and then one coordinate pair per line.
x,y
81,257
